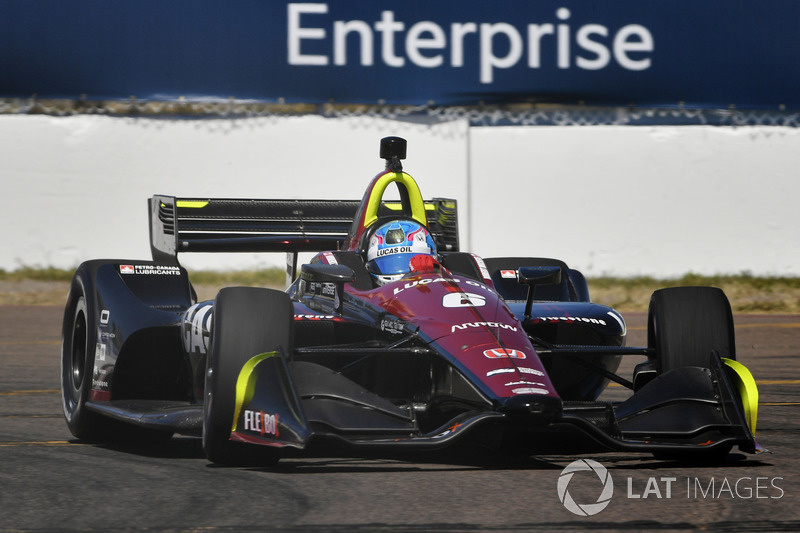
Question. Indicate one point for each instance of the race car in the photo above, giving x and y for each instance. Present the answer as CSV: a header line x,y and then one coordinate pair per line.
x,y
389,338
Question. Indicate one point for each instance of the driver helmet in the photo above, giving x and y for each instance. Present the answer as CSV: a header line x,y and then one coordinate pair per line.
x,y
392,247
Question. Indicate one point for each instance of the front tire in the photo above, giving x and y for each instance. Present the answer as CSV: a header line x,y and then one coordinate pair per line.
x,y
247,321
685,324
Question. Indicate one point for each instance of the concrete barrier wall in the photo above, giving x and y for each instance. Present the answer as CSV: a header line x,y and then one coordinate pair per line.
x,y
658,201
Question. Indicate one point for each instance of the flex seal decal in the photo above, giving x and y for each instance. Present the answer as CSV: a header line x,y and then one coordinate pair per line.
x,y
261,422
245,389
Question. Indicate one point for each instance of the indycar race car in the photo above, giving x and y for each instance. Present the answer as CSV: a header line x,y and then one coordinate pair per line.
x,y
389,338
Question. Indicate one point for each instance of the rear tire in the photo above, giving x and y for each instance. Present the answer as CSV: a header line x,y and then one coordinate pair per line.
x,y
247,321
78,345
78,342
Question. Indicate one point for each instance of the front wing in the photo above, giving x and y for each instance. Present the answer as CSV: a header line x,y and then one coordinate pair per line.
x,y
282,403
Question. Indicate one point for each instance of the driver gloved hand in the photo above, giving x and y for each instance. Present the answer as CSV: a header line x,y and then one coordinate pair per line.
x,y
425,263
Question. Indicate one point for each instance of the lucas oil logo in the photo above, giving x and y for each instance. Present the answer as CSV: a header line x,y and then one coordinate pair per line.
x,y
395,250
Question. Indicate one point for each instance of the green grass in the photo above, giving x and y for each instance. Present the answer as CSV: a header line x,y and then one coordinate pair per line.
x,y
696,280
36,274
268,276
747,293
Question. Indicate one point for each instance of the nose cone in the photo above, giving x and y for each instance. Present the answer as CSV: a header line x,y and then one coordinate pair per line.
x,y
532,408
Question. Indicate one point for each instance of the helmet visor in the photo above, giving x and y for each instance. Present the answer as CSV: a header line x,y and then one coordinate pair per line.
x,y
391,264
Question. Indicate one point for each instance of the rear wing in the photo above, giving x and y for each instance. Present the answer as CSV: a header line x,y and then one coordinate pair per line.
x,y
240,225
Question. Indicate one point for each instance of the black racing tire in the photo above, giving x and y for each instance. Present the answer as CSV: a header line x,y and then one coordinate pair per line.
x,y
685,324
78,342
78,345
247,321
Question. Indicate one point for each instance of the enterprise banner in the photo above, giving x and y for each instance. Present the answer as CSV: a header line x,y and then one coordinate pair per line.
x,y
661,53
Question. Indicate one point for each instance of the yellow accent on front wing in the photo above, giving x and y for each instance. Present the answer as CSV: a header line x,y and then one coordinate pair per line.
x,y
245,387
748,391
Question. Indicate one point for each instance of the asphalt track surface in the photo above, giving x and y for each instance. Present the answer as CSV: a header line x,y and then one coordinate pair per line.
x,y
51,482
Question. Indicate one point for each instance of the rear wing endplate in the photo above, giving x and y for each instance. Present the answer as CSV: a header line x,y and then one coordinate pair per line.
x,y
240,225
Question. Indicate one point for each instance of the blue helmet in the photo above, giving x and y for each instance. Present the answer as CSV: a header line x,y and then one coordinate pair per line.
x,y
393,245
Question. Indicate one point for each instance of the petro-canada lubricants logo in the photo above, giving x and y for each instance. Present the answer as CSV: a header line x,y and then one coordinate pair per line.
x,y
585,509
